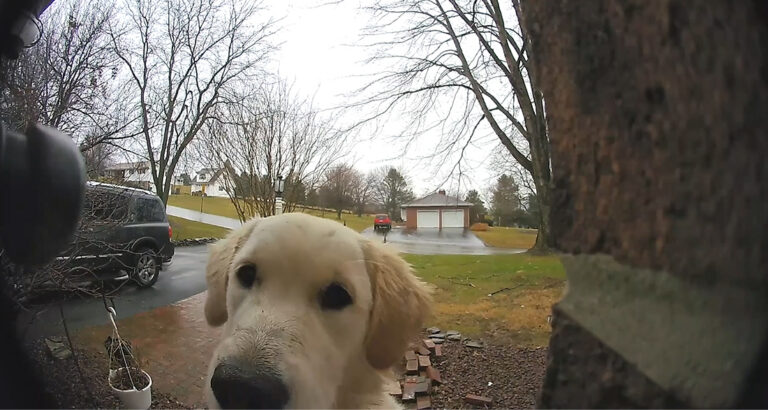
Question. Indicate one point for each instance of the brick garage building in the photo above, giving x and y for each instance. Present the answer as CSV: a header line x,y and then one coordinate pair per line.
x,y
436,211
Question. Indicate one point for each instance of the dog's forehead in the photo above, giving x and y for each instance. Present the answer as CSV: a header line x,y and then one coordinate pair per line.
x,y
299,242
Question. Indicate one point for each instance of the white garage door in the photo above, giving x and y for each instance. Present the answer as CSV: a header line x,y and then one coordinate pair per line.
x,y
453,218
427,219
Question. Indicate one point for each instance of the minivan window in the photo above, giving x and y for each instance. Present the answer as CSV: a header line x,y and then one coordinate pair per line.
x,y
148,210
104,206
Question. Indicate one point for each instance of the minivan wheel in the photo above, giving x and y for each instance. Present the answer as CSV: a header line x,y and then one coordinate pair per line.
x,y
147,270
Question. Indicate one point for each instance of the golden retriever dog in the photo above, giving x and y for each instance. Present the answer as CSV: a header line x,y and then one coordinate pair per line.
x,y
314,315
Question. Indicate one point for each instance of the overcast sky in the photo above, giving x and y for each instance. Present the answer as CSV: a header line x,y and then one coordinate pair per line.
x,y
321,54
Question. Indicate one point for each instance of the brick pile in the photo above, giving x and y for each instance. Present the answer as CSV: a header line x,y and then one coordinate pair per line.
x,y
415,387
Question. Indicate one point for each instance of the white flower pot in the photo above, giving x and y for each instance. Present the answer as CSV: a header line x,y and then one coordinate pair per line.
x,y
133,399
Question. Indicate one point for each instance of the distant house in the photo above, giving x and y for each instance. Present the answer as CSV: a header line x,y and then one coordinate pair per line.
x,y
437,211
182,184
135,174
210,182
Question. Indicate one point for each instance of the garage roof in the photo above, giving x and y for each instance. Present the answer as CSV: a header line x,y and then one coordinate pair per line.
x,y
438,199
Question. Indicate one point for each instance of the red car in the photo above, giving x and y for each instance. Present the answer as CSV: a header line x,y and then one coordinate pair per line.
x,y
382,223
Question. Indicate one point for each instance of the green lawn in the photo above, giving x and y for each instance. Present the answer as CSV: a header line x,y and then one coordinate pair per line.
x,y
461,282
358,223
518,315
223,207
186,229
210,204
515,238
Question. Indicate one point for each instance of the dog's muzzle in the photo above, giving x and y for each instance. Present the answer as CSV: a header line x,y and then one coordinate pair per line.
x,y
240,387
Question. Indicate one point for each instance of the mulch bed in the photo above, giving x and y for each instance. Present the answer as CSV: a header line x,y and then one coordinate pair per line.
x,y
510,376
69,390
515,375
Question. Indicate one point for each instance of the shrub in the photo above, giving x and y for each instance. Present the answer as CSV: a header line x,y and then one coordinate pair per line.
x,y
487,221
479,227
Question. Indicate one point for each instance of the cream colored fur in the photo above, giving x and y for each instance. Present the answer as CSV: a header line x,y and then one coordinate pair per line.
x,y
327,359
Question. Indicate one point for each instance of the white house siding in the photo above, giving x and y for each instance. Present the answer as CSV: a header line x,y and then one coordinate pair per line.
x,y
212,188
216,188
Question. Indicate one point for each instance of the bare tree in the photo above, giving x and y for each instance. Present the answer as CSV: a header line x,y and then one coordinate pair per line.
x,y
337,188
67,80
269,133
501,163
182,56
362,191
97,158
476,57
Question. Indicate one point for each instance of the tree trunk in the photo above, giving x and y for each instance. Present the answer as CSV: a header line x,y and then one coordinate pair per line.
x,y
543,237
542,178
338,214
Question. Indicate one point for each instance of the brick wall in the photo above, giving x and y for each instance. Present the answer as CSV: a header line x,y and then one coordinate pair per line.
x,y
657,114
410,221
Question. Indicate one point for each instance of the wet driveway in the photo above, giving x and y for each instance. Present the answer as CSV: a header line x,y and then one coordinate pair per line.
x,y
184,277
447,241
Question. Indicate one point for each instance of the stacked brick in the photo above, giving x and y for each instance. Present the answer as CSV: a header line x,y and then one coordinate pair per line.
x,y
415,387
420,376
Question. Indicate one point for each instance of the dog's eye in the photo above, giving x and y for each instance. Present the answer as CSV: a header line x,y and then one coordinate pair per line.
x,y
247,276
335,297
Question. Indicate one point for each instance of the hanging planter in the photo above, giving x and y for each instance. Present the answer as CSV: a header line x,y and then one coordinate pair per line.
x,y
129,383
132,386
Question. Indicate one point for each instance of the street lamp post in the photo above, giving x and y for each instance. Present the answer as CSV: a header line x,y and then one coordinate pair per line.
x,y
279,188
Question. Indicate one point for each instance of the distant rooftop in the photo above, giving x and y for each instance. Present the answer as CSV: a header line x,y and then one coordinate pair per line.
x,y
128,165
210,175
437,199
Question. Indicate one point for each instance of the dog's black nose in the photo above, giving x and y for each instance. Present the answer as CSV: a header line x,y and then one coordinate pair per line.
x,y
243,388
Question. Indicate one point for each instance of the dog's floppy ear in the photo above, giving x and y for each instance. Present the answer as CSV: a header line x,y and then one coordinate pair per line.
x,y
217,272
401,303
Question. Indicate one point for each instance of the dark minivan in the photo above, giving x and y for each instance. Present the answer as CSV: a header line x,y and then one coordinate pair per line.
x,y
124,233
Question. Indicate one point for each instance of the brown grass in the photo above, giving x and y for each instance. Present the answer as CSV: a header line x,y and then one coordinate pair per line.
x,y
516,238
516,315
517,318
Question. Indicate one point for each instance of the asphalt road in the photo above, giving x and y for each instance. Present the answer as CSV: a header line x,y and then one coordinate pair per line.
x,y
183,278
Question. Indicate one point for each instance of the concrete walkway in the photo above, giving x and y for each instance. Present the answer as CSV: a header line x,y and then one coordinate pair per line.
x,y
210,219
173,343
